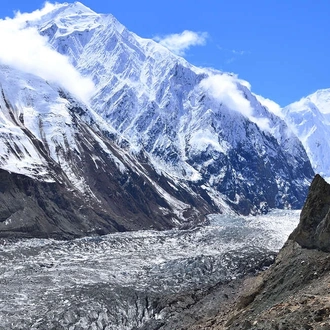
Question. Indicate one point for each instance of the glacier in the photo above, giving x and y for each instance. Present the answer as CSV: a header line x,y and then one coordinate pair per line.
x,y
134,280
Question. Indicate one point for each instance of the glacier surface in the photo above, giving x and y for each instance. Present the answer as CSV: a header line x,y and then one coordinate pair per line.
x,y
119,281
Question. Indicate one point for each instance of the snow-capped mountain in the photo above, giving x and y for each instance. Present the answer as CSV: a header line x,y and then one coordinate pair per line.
x,y
196,125
161,143
309,118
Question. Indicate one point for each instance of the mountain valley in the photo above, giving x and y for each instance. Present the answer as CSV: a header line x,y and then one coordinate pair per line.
x,y
138,191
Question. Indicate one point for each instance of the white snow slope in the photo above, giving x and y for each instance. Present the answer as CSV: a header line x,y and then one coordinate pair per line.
x,y
309,118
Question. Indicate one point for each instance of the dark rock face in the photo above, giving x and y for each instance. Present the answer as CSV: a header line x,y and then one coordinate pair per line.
x,y
29,208
313,230
121,202
250,180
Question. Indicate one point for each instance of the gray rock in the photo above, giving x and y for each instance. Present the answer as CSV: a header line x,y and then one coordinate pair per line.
x,y
313,230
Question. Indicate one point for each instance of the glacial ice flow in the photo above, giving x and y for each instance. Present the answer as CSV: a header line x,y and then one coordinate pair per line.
x,y
116,280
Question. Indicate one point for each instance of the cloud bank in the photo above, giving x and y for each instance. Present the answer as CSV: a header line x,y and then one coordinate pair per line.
x,y
225,89
23,48
179,43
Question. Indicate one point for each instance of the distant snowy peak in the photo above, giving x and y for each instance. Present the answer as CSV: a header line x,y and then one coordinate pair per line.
x,y
321,99
309,118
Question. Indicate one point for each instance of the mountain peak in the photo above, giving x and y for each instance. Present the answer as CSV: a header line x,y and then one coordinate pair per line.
x,y
59,12
76,8
188,121
321,99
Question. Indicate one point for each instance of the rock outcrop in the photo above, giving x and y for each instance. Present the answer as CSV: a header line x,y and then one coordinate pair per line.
x,y
313,230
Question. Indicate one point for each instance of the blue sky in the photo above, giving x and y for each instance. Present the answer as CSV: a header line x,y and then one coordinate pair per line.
x,y
281,47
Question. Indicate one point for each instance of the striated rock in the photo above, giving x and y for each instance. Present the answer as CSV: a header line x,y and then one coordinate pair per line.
x,y
313,230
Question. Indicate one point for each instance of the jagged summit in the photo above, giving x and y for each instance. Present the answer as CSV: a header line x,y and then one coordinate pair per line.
x,y
60,10
66,18
64,15
77,8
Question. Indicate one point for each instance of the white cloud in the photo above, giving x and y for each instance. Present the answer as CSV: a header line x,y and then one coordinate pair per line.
x,y
233,51
239,52
225,89
270,105
35,15
232,55
179,43
244,83
25,49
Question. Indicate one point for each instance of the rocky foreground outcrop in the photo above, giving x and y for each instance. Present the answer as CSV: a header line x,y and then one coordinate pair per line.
x,y
313,231
295,292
